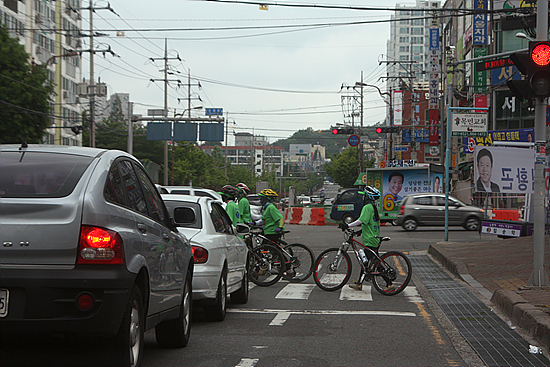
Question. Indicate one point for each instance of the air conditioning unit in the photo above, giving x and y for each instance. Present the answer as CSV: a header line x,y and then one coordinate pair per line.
x,y
68,39
65,94
38,18
38,50
78,43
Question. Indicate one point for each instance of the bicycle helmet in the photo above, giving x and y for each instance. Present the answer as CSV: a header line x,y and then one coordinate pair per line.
x,y
242,187
229,191
269,194
371,193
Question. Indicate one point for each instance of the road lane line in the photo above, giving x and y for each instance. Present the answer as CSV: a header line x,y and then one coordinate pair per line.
x,y
248,362
296,291
412,295
348,294
283,315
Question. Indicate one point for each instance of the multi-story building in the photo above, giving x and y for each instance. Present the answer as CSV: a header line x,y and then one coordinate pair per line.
x,y
408,45
258,159
50,31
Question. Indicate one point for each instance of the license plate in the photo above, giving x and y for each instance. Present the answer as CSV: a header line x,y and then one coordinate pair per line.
x,y
4,298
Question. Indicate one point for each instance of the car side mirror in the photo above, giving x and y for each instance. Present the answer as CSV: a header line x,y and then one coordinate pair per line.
x,y
242,228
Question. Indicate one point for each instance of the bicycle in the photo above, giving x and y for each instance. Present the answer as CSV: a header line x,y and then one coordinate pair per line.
x,y
265,265
390,272
298,258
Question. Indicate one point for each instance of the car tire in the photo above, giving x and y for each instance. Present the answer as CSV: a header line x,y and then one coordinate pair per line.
x,y
472,224
410,224
218,311
240,296
175,333
348,218
129,339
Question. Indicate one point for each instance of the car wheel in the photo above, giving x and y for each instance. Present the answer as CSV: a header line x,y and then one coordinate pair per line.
x,y
218,311
348,218
472,224
241,295
129,340
175,333
410,224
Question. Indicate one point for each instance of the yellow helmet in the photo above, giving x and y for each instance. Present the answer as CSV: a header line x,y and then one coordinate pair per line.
x,y
268,193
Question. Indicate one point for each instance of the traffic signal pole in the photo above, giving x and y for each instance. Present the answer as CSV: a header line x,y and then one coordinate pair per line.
x,y
539,277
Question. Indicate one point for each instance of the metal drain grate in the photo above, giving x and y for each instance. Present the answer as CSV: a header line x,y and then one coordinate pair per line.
x,y
492,339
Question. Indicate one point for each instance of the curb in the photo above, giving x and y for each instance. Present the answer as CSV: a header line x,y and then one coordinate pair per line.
x,y
523,314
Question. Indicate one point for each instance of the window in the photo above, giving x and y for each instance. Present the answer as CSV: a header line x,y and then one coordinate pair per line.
x,y
404,30
114,189
131,184
403,48
221,220
417,31
348,195
423,200
418,21
418,49
403,58
404,22
417,40
154,202
403,39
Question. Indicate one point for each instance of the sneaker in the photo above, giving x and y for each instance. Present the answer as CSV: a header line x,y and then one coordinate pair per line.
x,y
356,286
389,288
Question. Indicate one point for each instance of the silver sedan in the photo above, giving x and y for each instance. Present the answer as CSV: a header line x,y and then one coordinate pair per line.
x,y
220,255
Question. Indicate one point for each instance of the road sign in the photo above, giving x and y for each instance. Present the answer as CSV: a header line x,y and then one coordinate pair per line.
x,y
213,111
401,149
469,124
353,140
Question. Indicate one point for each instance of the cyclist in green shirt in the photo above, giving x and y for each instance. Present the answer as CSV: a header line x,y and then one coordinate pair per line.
x,y
244,205
229,193
369,219
272,219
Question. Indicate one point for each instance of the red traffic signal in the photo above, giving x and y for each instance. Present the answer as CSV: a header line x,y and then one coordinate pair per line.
x,y
378,130
387,129
535,66
334,130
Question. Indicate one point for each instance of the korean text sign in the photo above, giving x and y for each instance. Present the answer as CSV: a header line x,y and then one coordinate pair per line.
x,y
504,169
469,124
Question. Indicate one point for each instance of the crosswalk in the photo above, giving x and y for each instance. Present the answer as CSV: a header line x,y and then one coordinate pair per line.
x,y
297,291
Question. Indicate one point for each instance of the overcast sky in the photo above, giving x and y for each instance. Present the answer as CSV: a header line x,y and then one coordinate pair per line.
x,y
269,78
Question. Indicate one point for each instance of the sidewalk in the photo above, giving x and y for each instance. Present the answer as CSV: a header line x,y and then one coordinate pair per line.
x,y
500,270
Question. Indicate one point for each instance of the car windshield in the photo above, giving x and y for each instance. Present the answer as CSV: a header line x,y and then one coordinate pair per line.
x,y
40,174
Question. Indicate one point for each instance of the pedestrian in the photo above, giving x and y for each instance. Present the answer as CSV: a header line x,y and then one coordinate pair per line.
x,y
229,193
243,204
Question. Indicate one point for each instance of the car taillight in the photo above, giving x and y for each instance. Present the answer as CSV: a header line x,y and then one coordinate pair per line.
x,y
402,210
200,255
100,246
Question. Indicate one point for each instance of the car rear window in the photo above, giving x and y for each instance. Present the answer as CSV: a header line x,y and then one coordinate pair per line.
x,y
185,214
40,174
423,200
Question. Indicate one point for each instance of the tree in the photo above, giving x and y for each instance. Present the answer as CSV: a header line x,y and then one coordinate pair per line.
x,y
25,94
344,167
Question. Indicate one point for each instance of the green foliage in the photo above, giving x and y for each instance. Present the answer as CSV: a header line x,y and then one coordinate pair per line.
x,y
344,167
24,94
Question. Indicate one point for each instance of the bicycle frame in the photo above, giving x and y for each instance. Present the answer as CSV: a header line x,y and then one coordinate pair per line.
x,y
356,245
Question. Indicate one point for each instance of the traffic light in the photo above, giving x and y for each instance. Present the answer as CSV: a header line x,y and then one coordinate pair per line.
x,y
535,66
342,130
76,129
387,129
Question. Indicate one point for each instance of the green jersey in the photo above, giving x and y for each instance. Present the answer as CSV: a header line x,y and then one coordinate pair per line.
x,y
272,219
369,226
244,210
233,212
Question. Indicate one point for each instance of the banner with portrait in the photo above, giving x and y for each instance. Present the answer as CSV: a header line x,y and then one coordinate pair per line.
x,y
504,170
396,184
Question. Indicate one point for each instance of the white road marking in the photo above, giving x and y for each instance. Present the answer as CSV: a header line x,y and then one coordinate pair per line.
x,y
348,294
296,291
412,295
283,315
248,362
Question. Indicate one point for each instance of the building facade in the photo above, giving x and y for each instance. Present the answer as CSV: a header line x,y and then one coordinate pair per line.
x,y
50,31
258,159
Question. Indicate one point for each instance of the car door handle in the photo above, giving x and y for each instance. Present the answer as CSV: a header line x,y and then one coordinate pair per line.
x,y
142,227
166,236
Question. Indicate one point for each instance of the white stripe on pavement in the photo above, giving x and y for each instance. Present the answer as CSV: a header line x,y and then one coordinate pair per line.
x,y
283,315
248,362
348,294
296,291
412,295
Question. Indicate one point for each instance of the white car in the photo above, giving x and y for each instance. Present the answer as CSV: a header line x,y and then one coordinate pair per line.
x,y
220,256
189,190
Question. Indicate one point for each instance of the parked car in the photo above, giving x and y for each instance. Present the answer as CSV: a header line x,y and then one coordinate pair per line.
x,y
428,209
347,206
190,190
88,249
220,255
255,206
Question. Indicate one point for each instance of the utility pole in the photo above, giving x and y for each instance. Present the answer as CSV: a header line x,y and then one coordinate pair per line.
x,y
539,277
361,132
165,80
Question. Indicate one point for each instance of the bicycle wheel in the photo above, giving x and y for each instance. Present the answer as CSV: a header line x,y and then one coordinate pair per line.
x,y
392,274
266,265
300,266
332,269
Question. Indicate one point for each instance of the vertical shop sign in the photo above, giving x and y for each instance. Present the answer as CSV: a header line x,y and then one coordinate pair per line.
x,y
480,23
